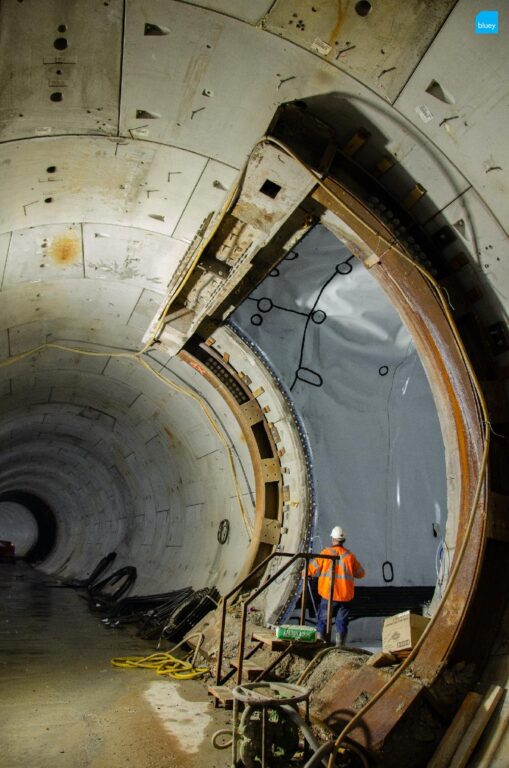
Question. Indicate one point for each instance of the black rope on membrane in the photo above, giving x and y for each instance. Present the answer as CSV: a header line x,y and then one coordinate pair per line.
x,y
385,565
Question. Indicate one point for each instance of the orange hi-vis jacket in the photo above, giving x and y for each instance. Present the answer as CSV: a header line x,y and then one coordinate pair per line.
x,y
348,568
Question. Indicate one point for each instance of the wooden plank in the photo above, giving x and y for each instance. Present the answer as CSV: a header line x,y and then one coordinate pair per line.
x,y
250,669
476,727
454,733
272,642
494,742
382,659
221,694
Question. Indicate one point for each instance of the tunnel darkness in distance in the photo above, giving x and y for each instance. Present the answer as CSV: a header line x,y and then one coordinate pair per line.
x,y
45,519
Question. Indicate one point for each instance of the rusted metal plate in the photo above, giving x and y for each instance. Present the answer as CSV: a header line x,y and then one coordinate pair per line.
x,y
251,412
271,531
350,689
271,469
454,398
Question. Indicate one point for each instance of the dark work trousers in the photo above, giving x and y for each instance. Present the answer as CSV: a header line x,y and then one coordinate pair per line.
x,y
340,613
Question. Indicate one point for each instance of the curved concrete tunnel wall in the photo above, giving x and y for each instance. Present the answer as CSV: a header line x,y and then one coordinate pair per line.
x,y
104,189
126,464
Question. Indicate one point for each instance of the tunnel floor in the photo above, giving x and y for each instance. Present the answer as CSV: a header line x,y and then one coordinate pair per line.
x,y
64,706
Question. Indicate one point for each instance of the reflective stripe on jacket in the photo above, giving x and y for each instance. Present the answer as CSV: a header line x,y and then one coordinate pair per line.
x,y
348,568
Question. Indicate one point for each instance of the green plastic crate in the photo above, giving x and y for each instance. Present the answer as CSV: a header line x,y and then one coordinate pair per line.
x,y
296,632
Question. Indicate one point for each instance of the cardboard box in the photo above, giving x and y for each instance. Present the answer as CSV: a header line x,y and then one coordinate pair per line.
x,y
401,632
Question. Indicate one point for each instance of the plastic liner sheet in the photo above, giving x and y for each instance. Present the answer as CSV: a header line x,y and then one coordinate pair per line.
x,y
357,382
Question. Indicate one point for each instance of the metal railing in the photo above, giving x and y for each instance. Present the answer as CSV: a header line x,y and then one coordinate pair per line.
x,y
306,556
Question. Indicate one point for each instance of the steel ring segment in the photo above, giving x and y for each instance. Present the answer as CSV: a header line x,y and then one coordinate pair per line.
x,y
279,693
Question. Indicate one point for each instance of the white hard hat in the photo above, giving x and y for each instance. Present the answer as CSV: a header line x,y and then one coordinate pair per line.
x,y
337,533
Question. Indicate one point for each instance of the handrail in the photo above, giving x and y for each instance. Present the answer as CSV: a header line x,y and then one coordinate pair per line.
x,y
223,611
307,556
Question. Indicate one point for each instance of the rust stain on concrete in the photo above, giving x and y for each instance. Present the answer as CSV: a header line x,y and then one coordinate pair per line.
x,y
341,18
65,250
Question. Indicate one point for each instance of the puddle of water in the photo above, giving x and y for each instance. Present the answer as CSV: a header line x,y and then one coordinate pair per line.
x,y
185,720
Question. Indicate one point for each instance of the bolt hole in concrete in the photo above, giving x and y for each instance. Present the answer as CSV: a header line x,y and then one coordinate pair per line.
x,y
62,28
57,96
363,7
51,169
270,188
61,43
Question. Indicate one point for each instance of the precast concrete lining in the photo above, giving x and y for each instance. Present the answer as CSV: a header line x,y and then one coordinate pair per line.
x,y
123,127
17,525
140,463
146,462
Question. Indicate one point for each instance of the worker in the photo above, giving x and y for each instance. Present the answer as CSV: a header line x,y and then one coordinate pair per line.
x,y
348,568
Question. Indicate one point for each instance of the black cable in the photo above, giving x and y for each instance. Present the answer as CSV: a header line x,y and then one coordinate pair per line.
x,y
189,613
101,566
127,577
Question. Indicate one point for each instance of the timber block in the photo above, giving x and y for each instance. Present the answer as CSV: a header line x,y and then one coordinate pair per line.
x,y
221,694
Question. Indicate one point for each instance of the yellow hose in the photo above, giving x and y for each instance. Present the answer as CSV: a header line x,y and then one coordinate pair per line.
x,y
163,664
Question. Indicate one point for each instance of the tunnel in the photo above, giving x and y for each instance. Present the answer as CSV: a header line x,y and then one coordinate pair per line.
x,y
253,286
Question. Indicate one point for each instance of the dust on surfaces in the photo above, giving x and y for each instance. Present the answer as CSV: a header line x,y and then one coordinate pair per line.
x,y
186,721
329,665
128,734
65,250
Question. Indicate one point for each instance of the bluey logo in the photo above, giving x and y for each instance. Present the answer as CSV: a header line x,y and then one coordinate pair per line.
x,y
486,23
